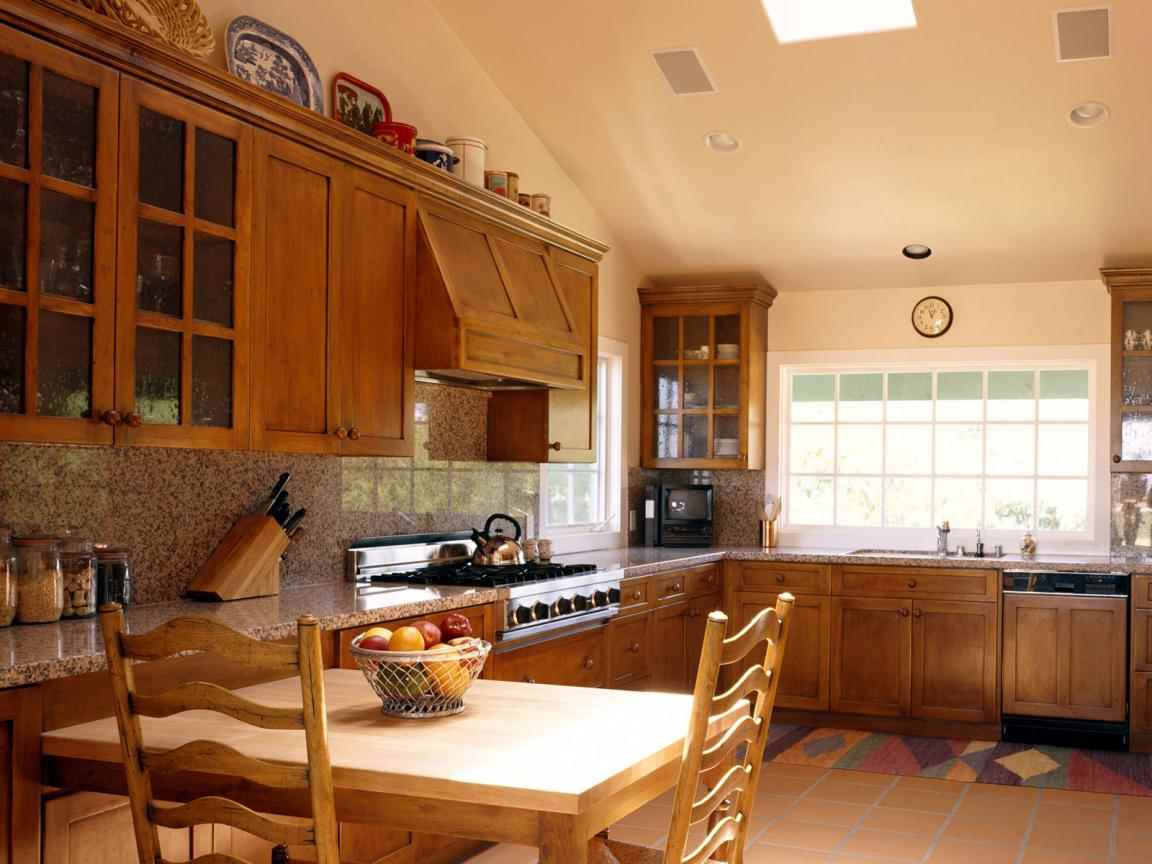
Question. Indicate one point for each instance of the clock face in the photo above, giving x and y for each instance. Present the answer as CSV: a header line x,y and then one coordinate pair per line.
x,y
932,317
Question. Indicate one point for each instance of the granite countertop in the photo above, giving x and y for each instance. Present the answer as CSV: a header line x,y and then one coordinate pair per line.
x,y
40,652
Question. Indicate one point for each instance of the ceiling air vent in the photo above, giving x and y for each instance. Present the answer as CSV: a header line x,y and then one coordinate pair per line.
x,y
1083,34
684,71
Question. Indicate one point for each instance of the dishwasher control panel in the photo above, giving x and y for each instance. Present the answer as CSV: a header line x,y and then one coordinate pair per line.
x,y
1067,582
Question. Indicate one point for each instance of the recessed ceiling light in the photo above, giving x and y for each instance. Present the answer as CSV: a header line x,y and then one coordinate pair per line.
x,y
722,142
802,20
917,251
1089,114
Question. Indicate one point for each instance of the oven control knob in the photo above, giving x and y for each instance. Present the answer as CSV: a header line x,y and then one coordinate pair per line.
x,y
613,595
600,598
539,611
563,606
581,602
523,614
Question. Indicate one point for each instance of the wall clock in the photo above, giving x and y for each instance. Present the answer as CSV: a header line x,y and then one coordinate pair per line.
x,y
932,317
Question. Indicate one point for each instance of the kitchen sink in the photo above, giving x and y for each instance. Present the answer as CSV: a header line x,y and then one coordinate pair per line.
x,y
918,553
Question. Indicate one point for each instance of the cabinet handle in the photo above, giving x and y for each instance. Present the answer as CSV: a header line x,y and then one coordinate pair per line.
x,y
636,595
918,613
133,420
903,612
528,679
780,578
912,583
634,648
557,446
676,589
589,662
111,418
1116,459
354,434
341,432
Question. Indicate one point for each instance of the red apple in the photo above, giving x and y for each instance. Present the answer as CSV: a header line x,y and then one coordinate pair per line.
x,y
429,631
454,626
374,643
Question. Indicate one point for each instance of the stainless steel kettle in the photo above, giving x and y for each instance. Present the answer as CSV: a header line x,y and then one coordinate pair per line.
x,y
493,549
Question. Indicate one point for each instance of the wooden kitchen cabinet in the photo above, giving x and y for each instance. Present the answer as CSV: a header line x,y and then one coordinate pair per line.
x,y
1142,711
871,668
93,828
1130,397
630,649
331,309
804,675
1065,656
670,640
703,372
577,660
57,244
954,674
183,272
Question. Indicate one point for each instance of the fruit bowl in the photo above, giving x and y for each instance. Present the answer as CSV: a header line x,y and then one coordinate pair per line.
x,y
429,683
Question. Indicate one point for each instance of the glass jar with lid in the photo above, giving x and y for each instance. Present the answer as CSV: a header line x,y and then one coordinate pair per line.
x,y
7,578
78,569
39,580
113,576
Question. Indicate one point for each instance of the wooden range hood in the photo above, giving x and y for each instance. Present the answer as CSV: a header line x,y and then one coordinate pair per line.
x,y
498,308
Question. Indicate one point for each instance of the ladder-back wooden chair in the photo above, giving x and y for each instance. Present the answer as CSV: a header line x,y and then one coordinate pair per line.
x,y
718,777
141,765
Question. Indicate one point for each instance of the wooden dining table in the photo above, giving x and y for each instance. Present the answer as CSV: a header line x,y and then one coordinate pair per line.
x,y
533,764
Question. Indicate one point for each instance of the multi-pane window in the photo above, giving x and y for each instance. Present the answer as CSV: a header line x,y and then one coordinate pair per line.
x,y
981,448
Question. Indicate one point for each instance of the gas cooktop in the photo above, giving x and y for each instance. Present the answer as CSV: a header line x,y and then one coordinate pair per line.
x,y
468,574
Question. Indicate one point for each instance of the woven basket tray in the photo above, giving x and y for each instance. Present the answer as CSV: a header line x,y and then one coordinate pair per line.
x,y
179,23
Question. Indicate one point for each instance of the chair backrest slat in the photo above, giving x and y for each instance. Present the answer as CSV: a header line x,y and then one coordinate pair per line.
x,y
205,696
728,766
213,809
213,757
184,635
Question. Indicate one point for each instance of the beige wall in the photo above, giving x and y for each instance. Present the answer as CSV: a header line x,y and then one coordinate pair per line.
x,y
431,80
1058,313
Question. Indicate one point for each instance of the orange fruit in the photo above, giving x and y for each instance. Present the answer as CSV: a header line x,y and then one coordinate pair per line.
x,y
406,639
449,676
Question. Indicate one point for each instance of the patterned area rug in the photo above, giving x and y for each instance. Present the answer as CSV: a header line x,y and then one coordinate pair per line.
x,y
963,759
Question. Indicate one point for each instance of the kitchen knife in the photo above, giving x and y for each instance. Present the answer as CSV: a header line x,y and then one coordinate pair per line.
x,y
278,503
281,512
294,521
276,492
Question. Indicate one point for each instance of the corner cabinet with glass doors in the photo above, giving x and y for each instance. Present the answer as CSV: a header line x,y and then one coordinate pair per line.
x,y
1131,395
704,366
124,237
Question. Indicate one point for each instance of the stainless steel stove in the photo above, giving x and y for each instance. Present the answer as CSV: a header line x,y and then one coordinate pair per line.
x,y
532,598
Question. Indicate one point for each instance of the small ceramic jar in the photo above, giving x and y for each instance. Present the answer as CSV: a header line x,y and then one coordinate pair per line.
x,y
496,182
542,204
435,154
471,155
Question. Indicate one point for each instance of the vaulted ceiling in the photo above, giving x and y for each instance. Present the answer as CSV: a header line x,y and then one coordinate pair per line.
x,y
954,134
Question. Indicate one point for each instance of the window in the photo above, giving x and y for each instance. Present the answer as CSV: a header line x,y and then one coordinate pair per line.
x,y
580,504
999,448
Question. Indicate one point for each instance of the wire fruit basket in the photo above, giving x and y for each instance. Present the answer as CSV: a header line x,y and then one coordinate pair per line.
x,y
429,683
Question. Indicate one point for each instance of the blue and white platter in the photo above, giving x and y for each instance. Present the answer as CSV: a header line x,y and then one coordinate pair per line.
x,y
273,60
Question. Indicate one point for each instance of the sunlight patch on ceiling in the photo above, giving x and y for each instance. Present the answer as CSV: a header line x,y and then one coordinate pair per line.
x,y
805,20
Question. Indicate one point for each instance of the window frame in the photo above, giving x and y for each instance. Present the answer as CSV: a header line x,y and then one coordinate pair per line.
x,y
1095,358
612,533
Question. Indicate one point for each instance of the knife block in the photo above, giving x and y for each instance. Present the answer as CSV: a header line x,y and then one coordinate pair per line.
x,y
246,563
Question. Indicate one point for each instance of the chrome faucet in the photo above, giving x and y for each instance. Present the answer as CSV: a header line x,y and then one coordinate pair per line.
x,y
942,532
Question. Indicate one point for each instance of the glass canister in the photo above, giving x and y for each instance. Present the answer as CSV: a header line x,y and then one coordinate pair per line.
x,y
39,580
7,579
78,567
113,576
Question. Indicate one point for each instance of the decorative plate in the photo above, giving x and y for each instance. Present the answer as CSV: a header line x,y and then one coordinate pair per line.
x,y
179,23
357,104
268,58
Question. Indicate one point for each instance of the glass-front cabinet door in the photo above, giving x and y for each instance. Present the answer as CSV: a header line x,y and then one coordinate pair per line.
x,y
1132,378
696,376
182,328
58,126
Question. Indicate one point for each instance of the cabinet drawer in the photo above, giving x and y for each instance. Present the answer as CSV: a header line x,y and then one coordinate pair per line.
x,y
633,593
1142,592
576,661
798,578
703,580
630,648
669,586
1142,640
867,581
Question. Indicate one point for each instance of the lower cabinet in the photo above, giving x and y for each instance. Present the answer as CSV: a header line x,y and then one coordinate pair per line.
x,y
630,651
576,660
1142,703
1065,656
678,636
929,659
804,676
92,828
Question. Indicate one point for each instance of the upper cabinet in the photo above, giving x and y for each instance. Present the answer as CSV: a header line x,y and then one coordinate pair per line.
x,y
704,350
1131,396
183,270
58,147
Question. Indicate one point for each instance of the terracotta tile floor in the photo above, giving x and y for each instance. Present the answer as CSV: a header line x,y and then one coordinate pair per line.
x,y
807,815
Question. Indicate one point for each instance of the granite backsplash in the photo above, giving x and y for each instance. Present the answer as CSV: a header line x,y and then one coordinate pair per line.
x,y
739,501
170,507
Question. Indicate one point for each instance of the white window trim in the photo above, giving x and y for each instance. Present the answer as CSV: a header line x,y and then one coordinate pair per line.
x,y
1096,357
615,533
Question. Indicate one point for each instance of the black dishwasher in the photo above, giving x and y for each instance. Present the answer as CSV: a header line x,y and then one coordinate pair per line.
x,y
1065,658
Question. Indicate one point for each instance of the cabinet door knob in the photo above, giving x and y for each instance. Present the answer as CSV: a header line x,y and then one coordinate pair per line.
x,y
780,578
1116,459
903,612
528,679
589,662
636,595
676,589
354,434
111,418
918,613
341,432
557,446
133,420
634,648
912,583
